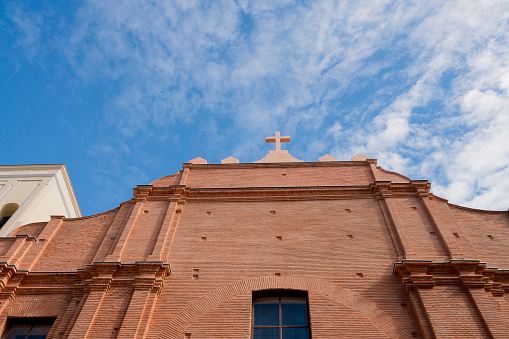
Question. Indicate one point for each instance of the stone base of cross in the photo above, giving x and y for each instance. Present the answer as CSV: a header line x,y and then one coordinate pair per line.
x,y
278,155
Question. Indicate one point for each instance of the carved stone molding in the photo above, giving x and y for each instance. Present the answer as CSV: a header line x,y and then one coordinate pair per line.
x,y
469,273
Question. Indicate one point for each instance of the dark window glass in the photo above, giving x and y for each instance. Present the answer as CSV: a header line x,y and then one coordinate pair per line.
x,y
39,332
294,311
280,315
266,312
4,220
266,333
28,328
295,333
17,332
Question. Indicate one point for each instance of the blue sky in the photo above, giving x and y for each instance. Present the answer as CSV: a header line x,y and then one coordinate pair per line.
x,y
124,92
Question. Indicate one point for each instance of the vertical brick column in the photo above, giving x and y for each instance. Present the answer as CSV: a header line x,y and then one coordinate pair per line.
x,y
500,289
170,218
73,309
169,226
420,312
18,249
374,170
475,283
112,236
488,312
126,232
434,313
383,194
36,250
150,277
10,279
422,187
147,312
420,285
185,173
99,284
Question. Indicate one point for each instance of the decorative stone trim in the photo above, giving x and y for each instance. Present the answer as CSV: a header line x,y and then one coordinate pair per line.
x,y
470,273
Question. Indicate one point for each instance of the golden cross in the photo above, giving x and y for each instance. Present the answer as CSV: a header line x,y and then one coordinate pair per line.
x,y
278,140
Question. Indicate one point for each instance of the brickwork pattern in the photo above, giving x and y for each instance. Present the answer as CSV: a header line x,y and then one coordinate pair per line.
x,y
377,253
319,291
280,175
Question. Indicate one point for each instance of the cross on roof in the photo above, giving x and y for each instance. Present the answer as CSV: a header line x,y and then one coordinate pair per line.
x,y
278,140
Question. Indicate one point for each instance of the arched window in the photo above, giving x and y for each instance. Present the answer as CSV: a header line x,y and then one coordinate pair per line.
x,y
280,314
6,212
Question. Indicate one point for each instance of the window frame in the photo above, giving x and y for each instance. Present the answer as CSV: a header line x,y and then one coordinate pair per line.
x,y
280,294
32,322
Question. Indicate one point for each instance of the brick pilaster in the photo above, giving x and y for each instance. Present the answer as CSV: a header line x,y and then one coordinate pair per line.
x,y
148,281
422,187
32,256
434,313
383,194
374,170
112,237
18,249
147,312
98,285
168,228
126,232
416,281
73,310
420,312
170,219
10,280
488,312
185,173
476,283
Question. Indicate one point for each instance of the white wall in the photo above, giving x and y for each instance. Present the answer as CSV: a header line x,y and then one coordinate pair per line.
x,y
39,190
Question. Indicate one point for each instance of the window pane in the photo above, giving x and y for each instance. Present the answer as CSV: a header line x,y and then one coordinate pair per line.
x,y
295,333
266,312
18,332
266,333
39,332
294,312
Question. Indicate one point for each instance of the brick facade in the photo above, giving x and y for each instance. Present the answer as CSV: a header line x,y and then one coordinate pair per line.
x,y
378,254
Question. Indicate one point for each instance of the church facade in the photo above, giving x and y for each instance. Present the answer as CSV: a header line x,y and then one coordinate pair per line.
x,y
279,248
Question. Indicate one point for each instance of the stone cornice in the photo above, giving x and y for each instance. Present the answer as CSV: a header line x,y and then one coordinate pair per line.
x,y
97,276
181,193
387,188
469,273
277,165
280,193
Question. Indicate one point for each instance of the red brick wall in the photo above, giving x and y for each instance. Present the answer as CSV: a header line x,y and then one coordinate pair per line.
x,y
112,311
5,244
144,233
456,308
422,234
478,225
75,243
241,242
32,230
281,176
339,244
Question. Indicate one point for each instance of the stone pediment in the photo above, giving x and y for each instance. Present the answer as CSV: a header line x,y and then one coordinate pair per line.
x,y
278,156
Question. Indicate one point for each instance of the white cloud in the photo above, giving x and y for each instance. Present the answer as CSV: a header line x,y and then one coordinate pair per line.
x,y
423,86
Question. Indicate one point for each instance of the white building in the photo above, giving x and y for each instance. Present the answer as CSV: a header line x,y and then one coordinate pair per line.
x,y
32,193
